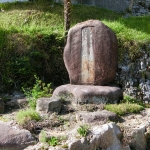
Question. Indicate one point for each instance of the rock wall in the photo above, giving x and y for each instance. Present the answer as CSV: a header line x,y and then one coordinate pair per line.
x,y
134,75
134,6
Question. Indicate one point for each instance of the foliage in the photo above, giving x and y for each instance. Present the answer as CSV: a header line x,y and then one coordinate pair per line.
x,y
39,89
129,99
83,130
32,39
124,108
53,141
24,116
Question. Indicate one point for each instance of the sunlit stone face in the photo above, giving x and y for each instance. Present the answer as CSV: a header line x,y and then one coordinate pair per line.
x,y
90,54
87,56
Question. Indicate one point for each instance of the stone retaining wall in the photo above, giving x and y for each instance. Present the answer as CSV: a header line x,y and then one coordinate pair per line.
x,y
134,75
115,5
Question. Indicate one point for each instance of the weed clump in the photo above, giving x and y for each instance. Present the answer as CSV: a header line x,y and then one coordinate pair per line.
x,y
24,116
124,108
83,130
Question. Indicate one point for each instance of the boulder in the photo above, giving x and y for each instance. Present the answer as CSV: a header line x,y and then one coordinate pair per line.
x,y
105,137
13,138
49,105
90,54
83,94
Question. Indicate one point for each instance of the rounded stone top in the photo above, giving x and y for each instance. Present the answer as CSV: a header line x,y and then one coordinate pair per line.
x,y
90,54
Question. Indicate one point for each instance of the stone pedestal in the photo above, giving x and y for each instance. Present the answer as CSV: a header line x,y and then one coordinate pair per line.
x,y
83,94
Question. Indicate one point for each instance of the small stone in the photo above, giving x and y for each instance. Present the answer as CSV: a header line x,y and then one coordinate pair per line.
x,y
49,105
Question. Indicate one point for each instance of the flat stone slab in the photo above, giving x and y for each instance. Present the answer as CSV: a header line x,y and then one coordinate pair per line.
x,y
83,94
98,117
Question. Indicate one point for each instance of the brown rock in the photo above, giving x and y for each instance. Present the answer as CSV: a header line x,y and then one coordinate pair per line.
x,y
90,54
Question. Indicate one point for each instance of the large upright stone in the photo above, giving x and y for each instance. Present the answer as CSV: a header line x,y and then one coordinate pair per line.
x,y
90,54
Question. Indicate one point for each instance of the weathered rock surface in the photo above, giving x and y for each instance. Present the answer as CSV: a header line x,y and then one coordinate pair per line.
x,y
135,130
90,54
134,76
89,94
12,138
134,134
97,117
101,137
49,105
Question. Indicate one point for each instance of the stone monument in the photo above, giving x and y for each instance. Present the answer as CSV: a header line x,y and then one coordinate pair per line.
x,y
90,57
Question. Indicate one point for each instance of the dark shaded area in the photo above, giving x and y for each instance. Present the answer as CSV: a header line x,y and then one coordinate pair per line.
x,y
20,62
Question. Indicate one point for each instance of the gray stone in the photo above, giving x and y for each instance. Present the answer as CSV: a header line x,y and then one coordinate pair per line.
x,y
2,106
138,138
17,103
99,117
89,94
12,138
90,54
49,105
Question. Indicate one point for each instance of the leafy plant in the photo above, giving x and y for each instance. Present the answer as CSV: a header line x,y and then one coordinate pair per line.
x,y
39,89
53,141
83,130
24,116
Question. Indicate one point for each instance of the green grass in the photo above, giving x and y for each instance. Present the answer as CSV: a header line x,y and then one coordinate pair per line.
x,y
33,33
124,108
24,116
35,18
83,130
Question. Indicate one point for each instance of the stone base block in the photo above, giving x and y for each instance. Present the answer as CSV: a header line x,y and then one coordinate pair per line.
x,y
84,94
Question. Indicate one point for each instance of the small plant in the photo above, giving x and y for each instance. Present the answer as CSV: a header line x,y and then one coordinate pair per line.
x,y
39,89
24,116
124,108
53,141
83,130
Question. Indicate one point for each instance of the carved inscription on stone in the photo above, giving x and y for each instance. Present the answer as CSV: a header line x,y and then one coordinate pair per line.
x,y
87,56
